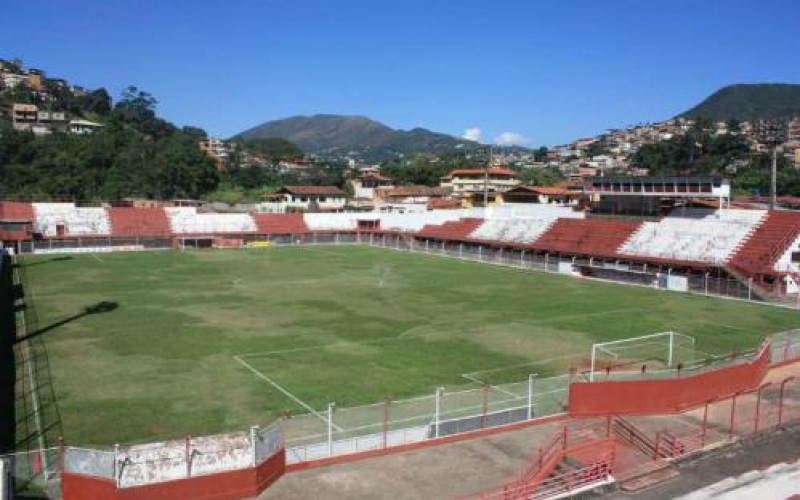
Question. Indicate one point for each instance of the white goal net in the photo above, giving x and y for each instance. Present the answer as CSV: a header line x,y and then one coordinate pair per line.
x,y
654,352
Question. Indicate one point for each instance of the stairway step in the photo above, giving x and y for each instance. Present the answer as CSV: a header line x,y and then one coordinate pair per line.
x,y
648,479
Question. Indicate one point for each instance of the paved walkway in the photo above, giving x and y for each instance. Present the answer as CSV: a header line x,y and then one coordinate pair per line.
x,y
475,465
438,472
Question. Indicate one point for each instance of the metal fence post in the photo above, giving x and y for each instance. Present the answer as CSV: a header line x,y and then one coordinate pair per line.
x,y
758,406
387,402
705,425
733,415
438,410
188,456
253,437
531,378
117,472
330,428
780,399
485,405
460,250
749,288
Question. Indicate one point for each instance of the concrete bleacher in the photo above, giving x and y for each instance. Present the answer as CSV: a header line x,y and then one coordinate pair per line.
x,y
280,223
697,235
136,222
186,220
597,237
12,210
770,245
332,221
74,220
521,224
458,230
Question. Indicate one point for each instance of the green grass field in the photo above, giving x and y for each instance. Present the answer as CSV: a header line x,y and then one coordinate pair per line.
x,y
343,324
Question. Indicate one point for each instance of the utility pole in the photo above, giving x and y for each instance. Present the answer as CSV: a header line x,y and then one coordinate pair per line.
x,y
772,133
486,177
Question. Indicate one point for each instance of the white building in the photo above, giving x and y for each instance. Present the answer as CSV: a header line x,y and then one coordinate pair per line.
x,y
305,199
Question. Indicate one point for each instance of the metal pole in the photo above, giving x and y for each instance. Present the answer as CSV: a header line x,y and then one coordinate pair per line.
x,y
253,435
485,405
773,184
591,370
531,378
671,342
438,415
386,421
733,414
188,456
780,400
705,426
749,288
705,285
758,405
331,406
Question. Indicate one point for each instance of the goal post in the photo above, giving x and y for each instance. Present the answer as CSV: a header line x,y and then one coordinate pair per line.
x,y
666,349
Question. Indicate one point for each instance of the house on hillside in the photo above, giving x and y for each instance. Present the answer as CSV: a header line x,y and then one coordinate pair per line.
x,y
470,184
304,199
404,198
366,184
542,194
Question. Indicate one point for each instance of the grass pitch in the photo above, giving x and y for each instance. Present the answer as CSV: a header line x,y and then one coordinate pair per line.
x,y
319,324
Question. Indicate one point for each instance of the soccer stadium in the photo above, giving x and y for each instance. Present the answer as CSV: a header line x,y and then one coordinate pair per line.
x,y
523,350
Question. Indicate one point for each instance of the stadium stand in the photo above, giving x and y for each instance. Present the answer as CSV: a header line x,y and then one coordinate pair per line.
x,y
332,221
768,242
459,230
129,222
508,227
280,223
597,237
65,219
16,210
186,220
697,235
755,248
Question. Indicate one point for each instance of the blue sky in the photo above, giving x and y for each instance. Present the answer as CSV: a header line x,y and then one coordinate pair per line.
x,y
548,72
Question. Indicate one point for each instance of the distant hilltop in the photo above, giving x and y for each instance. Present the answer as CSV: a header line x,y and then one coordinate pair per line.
x,y
342,135
749,102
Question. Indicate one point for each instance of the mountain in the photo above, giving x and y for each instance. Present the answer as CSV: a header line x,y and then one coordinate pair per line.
x,y
339,135
760,101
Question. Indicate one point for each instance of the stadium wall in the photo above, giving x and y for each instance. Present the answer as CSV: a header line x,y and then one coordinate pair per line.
x,y
231,485
643,397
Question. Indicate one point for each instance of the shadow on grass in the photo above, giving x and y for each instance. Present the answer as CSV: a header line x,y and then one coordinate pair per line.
x,y
47,261
99,308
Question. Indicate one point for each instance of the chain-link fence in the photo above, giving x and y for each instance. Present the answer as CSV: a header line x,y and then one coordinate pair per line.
x,y
337,431
93,245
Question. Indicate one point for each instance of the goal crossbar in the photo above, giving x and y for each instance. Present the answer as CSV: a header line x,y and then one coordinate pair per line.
x,y
604,347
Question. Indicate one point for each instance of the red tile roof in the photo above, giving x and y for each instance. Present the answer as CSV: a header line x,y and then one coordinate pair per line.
x,y
482,171
313,190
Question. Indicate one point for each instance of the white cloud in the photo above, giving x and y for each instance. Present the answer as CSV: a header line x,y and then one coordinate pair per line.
x,y
472,134
512,139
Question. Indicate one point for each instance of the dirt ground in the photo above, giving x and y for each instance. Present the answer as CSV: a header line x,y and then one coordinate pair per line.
x,y
772,448
443,472
476,465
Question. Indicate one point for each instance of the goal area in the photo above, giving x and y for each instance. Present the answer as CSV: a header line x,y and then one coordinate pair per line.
x,y
654,352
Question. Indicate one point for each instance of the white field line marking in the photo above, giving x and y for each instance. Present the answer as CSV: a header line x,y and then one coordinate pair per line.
x,y
98,258
585,315
284,391
722,325
480,382
532,363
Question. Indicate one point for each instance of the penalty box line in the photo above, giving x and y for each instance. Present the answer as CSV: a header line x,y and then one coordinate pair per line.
x,y
285,392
